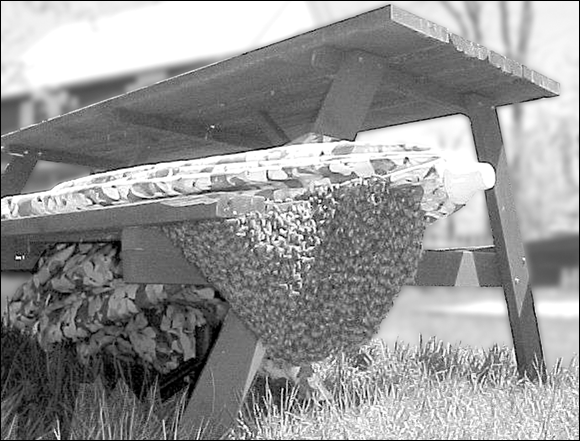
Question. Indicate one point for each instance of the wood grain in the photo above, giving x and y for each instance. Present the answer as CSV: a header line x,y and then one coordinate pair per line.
x,y
224,381
148,256
511,258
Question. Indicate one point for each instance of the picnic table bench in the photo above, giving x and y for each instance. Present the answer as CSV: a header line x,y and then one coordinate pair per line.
x,y
379,69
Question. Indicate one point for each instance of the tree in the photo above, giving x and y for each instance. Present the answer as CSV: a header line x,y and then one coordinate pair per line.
x,y
516,26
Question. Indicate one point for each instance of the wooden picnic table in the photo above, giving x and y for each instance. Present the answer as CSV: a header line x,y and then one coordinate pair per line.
x,y
379,69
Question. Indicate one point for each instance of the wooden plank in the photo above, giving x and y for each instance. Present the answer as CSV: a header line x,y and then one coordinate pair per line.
x,y
78,237
468,51
20,254
226,378
152,155
417,87
148,256
194,129
147,213
458,267
510,68
62,156
17,174
350,96
512,262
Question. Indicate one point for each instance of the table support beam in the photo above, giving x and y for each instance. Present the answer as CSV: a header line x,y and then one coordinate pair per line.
x,y
458,267
225,380
511,258
350,96
148,256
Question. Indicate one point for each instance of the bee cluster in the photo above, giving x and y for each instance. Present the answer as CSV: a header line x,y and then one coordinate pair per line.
x,y
316,276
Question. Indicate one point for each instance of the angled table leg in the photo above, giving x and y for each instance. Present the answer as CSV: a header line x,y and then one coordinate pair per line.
x,y
509,247
226,378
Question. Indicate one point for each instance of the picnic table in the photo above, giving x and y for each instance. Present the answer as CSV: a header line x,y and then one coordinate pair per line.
x,y
379,69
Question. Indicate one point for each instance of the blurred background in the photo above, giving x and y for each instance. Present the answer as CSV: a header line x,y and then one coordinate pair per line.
x,y
58,56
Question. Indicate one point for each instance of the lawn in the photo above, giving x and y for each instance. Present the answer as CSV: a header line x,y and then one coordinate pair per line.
x,y
428,391
433,391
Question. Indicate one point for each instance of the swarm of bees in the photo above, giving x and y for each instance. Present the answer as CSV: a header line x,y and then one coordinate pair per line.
x,y
319,276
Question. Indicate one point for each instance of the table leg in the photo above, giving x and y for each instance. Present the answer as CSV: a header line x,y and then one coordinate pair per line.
x,y
509,247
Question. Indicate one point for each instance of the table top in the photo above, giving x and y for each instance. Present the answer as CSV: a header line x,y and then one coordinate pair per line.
x,y
230,106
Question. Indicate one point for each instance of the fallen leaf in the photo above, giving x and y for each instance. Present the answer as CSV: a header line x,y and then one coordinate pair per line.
x,y
165,323
206,293
62,284
95,304
41,277
131,290
188,346
143,344
155,293
176,347
60,258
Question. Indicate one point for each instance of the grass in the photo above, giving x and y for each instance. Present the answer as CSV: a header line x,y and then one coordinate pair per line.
x,y
432,391
428,391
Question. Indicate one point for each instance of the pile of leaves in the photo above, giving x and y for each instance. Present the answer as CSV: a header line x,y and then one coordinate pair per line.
x,y
78,295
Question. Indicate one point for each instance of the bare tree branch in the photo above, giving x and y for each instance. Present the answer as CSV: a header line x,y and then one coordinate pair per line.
x,y
456,14
520,53
525,31
504,18
569,147
473,9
